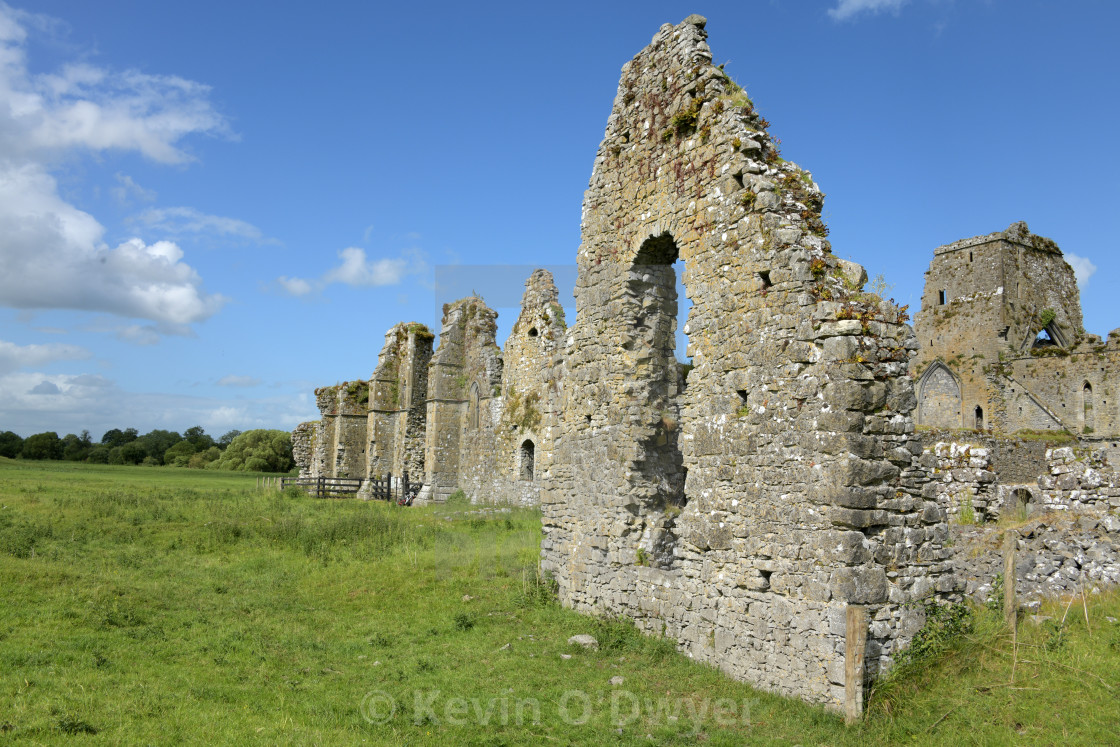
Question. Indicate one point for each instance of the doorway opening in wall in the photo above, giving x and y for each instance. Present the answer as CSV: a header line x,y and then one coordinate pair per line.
x,y
979,418
527,455
1021,504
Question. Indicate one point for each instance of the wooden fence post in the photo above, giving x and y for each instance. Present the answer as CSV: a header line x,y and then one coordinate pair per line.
x,y
855,649
1010,607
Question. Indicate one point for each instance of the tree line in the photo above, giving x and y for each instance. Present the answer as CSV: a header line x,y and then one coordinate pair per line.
x,y
258,450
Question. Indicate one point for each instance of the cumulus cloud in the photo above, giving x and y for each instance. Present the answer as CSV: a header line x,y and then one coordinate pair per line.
x,y
52,257
51,253
238,381
14,357
358,270
179,221
847,9
1083,269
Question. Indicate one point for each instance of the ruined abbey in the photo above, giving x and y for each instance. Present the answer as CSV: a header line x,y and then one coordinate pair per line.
x,y
744,505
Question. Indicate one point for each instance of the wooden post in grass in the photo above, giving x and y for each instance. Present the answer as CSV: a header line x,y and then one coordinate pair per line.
x,y
1010,608
855,649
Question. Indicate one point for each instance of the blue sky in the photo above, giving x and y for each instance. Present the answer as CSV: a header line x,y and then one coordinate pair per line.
x,y
207,209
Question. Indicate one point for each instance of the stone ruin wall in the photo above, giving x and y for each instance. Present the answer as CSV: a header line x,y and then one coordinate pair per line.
x,y
740,510
467,363
491,412
526,429
396,421
371,428
741,507
1065,521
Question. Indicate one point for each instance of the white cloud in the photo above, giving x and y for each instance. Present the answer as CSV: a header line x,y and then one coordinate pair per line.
x,y
130,190
14,357
1083,269
238,381
52,257
294,286
358,270
846,9
51,253
179,221
139,334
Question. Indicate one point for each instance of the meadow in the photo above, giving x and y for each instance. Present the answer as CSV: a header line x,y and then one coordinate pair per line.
x,y
144,605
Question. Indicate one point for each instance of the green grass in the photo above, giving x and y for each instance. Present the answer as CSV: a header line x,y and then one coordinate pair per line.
x,y
146,605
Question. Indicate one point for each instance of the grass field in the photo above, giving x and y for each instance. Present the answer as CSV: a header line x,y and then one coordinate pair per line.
x,y
155,605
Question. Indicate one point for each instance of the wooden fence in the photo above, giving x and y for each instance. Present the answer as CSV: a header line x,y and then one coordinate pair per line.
x,y
380,488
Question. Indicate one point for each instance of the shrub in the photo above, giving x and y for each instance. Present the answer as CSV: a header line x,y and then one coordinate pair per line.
x,y
258,451
42,446
10,444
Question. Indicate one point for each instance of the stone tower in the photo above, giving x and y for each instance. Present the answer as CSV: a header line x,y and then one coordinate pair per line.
x,y
1002,344
988,298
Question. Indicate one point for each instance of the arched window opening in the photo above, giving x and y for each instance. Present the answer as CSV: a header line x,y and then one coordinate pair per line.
x,y
1021,503
472,414
939,398
979,418
527,456
655,309
533,332
1087,406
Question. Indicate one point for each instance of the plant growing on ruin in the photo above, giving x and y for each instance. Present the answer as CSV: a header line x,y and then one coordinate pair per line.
x,y
966,514
683,123
558,315
818,268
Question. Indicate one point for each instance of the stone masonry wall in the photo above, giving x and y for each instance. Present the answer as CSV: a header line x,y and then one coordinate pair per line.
x,y
467,363
397,420
305,437
740,510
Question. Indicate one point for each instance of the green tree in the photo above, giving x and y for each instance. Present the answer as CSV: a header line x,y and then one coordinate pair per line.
x,y
198,438
156,443
258,451
205,458
42,446
227,439
132,452
115,437
180,454
76,448
10,444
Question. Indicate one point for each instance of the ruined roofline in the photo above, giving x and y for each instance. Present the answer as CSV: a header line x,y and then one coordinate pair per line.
x,y
1017,234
